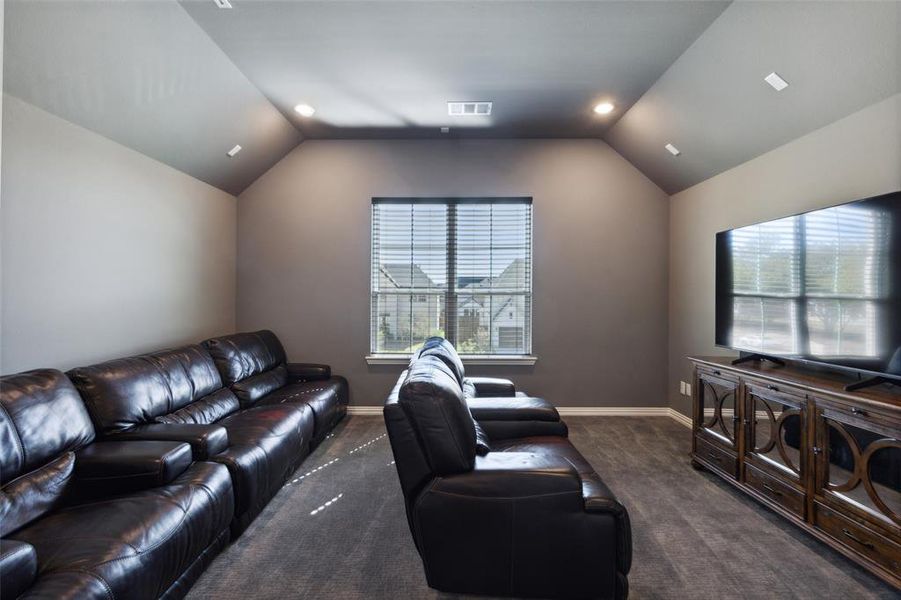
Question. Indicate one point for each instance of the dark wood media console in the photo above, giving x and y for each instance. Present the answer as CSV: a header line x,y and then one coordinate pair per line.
x,y
826,459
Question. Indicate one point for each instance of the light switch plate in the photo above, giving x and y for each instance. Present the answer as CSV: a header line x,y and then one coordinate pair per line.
x,y
688,389
682,386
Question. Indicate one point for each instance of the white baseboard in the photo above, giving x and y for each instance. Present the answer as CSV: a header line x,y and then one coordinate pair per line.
x,y
624,411
680,418
576,411
613,411
364,410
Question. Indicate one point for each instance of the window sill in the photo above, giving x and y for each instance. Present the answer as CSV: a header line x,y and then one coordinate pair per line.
x,y
503,360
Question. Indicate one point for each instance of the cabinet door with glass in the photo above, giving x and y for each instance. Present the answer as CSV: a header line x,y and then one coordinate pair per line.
x,y
776,426
775,445
717,407
858,461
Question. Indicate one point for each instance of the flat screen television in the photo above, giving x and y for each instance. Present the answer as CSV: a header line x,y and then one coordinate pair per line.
x,y
822,286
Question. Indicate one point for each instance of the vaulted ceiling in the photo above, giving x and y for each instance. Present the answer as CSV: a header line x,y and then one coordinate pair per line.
x,y
183,82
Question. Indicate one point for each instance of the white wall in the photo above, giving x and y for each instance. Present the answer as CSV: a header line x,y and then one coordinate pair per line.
x,y
855,157
600,258
105,252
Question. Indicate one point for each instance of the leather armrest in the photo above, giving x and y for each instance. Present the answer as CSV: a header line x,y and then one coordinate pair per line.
x,y
205,440
108,468
18,568
513,475
517,408
488,387
308,372
599,499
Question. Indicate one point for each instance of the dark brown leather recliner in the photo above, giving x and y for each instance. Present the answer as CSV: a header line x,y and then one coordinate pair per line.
x,y
178,395
521,517
84,519
502,412
254,366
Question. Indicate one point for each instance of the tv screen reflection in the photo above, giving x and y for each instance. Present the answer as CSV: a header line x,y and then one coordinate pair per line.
x,y
821,286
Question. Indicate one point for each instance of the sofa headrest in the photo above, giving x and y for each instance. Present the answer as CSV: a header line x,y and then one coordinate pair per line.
x,y
433,402
443,349
126,392
42,419
242,355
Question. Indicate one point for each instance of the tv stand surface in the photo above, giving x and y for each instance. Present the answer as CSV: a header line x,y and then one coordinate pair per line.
x,y
826,458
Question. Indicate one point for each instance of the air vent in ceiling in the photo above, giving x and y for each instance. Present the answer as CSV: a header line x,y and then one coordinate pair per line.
x,y
223,3
469,109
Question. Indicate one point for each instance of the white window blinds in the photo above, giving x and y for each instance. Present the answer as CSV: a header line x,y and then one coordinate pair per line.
x,y
461,268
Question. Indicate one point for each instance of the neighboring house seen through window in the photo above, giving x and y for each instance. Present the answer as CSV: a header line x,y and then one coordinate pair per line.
x,y
459,268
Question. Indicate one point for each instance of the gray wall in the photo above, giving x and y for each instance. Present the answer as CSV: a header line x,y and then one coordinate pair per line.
x,y
855,157
600,258
105,252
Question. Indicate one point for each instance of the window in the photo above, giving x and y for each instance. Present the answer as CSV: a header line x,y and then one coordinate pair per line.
x,y
460,268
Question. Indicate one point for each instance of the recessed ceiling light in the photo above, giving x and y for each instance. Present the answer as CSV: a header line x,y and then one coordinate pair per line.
x,y
672,150
777,82
305,110
604,108
445,130
234,151
481,108
223,3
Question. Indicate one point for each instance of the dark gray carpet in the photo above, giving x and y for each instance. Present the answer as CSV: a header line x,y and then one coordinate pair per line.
x,y
339,530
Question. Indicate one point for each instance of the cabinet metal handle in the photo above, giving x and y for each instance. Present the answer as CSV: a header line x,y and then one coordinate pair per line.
x,y
772,387
856,539
717,373
858,411
817,449
771,489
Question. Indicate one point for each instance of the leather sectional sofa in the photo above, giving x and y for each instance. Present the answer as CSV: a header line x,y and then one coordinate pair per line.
x,y
86,519
127,483
522,515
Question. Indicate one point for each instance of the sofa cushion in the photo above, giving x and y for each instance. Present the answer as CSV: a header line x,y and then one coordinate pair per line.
x,y
42,417
204,411
242,355
432,400
251,389
126,392
266,444
445,351
18,568
26,498
328,400
132,546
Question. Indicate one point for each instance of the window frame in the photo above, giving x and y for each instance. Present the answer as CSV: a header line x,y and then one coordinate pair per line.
x,y
452,293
